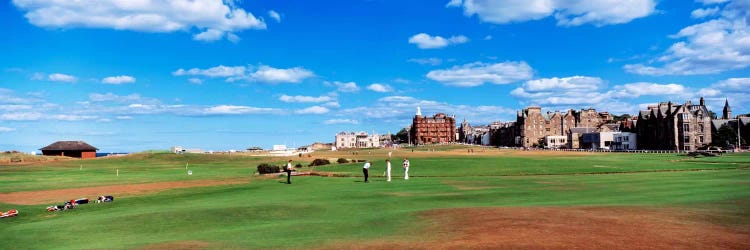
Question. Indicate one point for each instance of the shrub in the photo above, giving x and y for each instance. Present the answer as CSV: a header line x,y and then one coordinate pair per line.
x,y
361,160
319,162
265,168
342,161
299,165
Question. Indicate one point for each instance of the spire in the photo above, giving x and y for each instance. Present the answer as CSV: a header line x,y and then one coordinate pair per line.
x,y
703,101
727,114
419,111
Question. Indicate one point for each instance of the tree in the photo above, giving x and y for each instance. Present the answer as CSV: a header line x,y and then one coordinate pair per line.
x,y
401,136
725,137
623,117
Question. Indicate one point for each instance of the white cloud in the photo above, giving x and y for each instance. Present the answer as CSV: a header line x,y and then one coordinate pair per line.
x,y
566,12
714,46
6,129
709,2
379,87
216,17
235,110
340,121
110,97
647,88
334,104
274,75
427,61
195,81
478,73
124,117
57,77
36,116
209,35
218,71
401,109
701,13
118,79
574,83
14,107
263,73
313,110
274,15
299,98
425,41
487,38
344,86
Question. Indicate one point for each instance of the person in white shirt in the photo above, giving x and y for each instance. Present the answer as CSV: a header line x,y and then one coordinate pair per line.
x,y
406,168
366,170
288,169
388,169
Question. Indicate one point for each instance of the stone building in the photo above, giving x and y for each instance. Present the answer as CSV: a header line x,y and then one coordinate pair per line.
x,y
357,140
726,120
439,128
533,126
670,126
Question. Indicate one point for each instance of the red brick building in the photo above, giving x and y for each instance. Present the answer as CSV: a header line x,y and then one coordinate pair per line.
x,y
77,149
439,128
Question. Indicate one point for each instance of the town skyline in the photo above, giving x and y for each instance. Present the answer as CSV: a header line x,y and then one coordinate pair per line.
x,y
223,75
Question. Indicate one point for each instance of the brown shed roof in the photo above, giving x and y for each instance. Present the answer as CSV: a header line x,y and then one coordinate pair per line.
x,y
70,145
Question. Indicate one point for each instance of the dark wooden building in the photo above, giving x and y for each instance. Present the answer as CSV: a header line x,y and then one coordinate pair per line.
x,y
76,149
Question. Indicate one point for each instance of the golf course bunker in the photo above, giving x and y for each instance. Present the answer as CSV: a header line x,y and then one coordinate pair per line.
x,y
569,227
46,196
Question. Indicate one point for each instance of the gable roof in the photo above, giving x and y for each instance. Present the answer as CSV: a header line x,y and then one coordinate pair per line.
x,y
70,145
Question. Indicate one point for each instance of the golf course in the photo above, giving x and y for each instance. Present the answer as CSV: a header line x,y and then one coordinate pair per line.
x,y
489,198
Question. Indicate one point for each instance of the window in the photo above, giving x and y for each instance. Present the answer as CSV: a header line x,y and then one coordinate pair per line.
x,y
547,129
686,128
626,138
700,139
687,139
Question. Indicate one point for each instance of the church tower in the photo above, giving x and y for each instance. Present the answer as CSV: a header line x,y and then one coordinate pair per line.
x,y
727,114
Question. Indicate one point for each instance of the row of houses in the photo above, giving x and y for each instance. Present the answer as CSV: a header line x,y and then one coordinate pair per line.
x,y
664,126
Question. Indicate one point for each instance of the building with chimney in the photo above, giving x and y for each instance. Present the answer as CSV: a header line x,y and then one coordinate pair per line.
x,y
439,128
668,126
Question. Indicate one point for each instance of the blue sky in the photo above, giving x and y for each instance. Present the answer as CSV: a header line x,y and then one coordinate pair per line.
x,y
218,75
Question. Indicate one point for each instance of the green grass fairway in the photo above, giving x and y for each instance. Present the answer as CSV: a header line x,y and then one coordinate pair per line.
x,y
324,211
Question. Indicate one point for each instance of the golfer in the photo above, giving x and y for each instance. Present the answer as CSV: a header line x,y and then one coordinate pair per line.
x,y
288,169
366,170
406,168
388,169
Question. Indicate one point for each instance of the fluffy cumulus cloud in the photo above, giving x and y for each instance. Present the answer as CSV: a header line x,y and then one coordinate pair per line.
x,y
566,12
314,110
58,77
340,121
564,92
274,75
300,98
426,41
379,87
737,90
263,73
478,73
213,19
118,79
713,46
